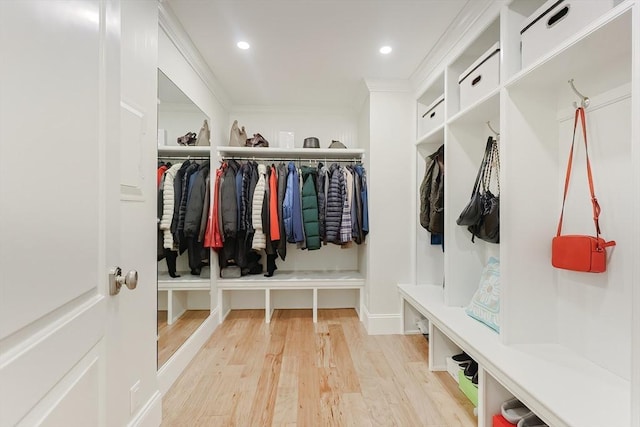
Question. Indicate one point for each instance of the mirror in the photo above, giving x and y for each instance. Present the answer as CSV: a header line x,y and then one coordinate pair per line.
x,y
183,285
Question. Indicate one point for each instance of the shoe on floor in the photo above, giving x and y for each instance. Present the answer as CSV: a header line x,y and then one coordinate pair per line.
x,y
514,411
531,420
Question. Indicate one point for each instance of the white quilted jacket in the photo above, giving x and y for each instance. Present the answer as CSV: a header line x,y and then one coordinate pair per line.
x,y
168,197
259,238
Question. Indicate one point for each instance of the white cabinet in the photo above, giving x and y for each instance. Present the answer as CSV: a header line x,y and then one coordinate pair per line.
x,y
568,346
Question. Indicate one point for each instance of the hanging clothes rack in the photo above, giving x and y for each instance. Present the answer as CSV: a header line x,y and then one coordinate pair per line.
x,y
167,157
290,159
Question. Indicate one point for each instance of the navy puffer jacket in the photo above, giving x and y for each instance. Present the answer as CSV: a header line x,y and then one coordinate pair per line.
x,y
335,204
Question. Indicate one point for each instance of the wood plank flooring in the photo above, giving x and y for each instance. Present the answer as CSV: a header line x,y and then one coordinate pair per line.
x,y
294,373
171,337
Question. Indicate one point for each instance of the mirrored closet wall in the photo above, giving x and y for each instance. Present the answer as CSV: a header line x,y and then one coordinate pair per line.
x,y
184,283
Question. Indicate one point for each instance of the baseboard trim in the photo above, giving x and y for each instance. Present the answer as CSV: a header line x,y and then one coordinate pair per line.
x,y
151,413
172,369
381,324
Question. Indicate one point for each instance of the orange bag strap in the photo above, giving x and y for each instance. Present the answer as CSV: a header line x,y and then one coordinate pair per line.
x,y
594,201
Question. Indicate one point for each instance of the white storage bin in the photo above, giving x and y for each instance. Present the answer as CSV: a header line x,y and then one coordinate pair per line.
x,y
481,77
554,22
433,117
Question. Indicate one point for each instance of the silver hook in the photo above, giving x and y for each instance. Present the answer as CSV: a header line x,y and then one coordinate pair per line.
x,y
584,100
492,129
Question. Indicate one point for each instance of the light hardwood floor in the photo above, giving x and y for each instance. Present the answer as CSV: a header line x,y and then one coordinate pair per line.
x,y
292,373
171,337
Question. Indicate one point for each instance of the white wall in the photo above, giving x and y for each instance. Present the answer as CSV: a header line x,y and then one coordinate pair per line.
x,y
324,124
390,195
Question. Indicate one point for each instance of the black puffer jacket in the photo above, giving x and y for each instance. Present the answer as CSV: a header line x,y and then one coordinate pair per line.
x,y
228,201
196,200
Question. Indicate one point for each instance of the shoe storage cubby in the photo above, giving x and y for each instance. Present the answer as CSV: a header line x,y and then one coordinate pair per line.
x,y
568,345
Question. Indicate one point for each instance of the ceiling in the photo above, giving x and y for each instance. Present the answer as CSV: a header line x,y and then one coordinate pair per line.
x,y
312,52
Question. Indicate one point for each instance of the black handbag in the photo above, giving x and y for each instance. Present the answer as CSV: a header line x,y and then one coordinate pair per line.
x,y
488,227
482,213
472,213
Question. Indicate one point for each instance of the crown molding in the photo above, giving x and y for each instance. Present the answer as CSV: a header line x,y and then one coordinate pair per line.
x,y
170,24
474,14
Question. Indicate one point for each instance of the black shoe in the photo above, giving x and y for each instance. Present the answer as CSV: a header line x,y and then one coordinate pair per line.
x,y
471,369
474,380
462,357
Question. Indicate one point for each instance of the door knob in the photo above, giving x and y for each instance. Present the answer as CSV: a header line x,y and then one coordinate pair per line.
x,y
116,280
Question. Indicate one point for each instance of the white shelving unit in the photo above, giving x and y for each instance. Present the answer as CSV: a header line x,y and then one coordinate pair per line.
x,y
301,283
292,153
314,281
567,346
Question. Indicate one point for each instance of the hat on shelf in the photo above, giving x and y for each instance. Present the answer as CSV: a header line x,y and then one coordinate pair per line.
x,y
337,144
311,142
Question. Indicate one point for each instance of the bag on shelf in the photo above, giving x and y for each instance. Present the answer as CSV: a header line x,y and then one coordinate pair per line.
x,y
257,141
482,213
187,139
238,136
580,252
204,135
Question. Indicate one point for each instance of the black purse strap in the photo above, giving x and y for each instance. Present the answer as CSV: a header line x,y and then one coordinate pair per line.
x,y
492,167
483,166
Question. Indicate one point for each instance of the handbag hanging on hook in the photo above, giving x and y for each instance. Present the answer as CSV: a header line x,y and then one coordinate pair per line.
x,y
578,252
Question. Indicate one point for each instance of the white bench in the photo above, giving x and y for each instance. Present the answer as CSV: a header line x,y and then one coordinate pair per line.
x,y
177,292
560,386
312,281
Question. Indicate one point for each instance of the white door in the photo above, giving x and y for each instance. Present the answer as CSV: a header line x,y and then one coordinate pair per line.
x,y
72,107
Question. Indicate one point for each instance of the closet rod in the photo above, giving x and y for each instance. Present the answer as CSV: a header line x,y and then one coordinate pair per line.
x,y
165,157
292,159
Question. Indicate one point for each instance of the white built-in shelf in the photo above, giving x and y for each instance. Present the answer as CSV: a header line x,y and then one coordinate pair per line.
x,y
434,136
182,150
293,153
185,282
478,113
559,385
296,280
601,49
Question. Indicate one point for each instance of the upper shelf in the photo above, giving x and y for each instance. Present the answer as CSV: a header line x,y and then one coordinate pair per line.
x,y
293,153
181,150
598,57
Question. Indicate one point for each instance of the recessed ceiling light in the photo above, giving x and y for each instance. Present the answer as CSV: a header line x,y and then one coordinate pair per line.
x,y
243,45
385,50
